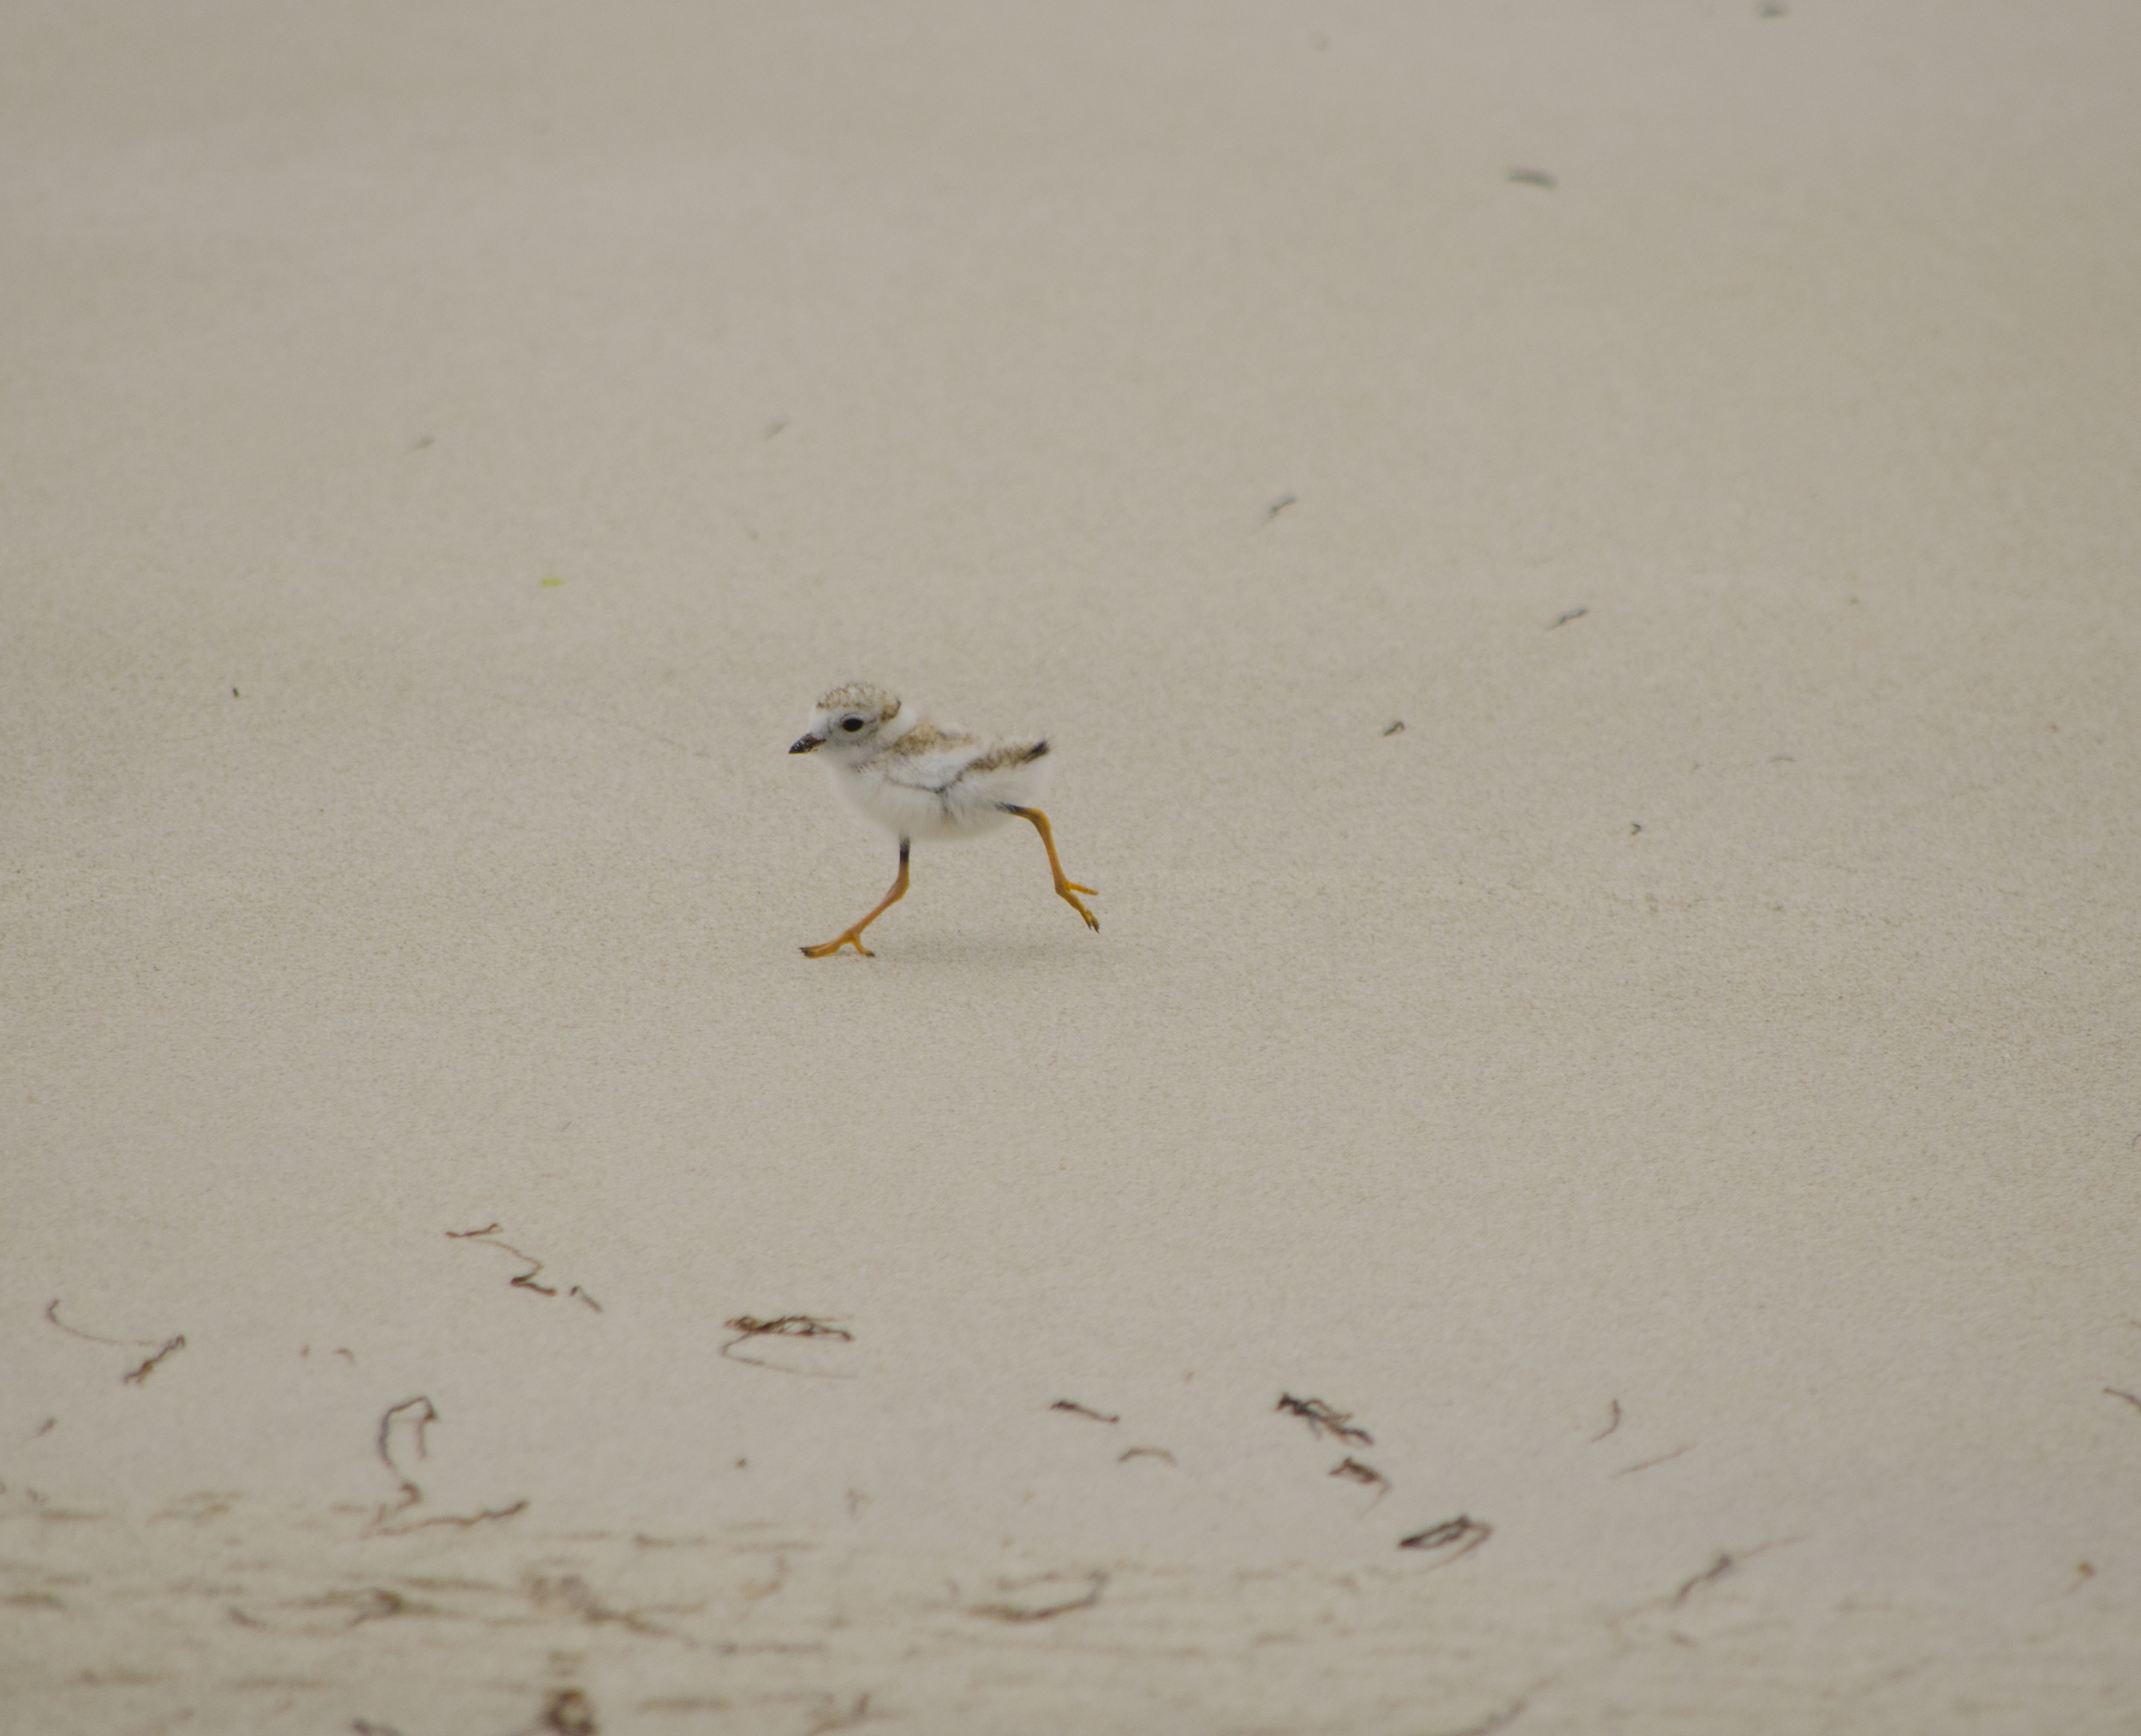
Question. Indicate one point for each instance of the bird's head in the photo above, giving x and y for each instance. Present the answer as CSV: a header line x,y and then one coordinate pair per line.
x,y
849,720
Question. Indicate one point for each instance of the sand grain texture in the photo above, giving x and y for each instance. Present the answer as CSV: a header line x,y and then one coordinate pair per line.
x,y
1673,1101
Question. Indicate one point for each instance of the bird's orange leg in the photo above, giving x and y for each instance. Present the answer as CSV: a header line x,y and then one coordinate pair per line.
x,y
853,936
1066,890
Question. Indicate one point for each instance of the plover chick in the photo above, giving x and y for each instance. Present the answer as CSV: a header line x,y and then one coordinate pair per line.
x,y
918,779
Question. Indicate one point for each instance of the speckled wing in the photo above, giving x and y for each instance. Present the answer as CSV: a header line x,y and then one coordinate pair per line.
x,y
928,758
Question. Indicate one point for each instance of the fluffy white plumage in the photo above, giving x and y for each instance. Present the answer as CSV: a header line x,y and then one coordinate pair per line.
x,y
913,777
920,780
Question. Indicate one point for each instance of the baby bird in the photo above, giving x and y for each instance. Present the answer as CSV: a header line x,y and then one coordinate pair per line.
x,y
918,780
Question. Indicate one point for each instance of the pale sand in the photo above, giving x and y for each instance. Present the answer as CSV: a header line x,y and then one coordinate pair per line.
x,y
968,350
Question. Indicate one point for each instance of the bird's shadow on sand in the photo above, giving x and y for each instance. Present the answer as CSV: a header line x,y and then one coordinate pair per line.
x,y
981,953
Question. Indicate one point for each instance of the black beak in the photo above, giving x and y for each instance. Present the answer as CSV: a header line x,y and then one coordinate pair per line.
x,y
806,743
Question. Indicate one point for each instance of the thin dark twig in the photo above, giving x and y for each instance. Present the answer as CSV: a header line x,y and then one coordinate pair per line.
x,y
1724,1564
787,1326
1646,1464
1354,1471
1465,1532
1321,1419
426,1415
525,1280
2113,1391
1727,1560
52,1315
1077,1409
140,1376
463,1520
1609,1427
577,1595
1124,1456
1014,1612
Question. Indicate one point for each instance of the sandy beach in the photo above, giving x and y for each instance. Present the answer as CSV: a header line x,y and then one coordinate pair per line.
x,y
1579,564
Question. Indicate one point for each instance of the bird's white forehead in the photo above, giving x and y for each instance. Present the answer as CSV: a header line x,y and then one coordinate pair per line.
x,y
860,696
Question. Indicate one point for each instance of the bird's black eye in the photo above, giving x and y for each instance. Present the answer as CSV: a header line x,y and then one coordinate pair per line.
x,y
850,724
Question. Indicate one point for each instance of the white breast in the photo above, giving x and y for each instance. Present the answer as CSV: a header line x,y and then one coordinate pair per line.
x,y
936,795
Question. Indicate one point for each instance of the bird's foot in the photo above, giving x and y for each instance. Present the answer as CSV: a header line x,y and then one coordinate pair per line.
x,y
852,938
